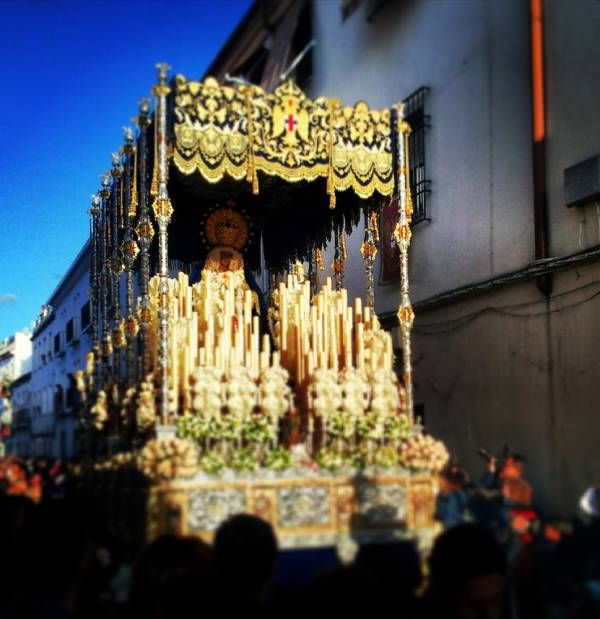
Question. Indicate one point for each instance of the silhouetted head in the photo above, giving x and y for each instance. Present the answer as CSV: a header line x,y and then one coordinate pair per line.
x,y
514,467
245,550
162,566
395,565
468,569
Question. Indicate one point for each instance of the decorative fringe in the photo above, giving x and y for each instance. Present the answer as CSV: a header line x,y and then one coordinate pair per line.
x,y
343,246
251,174
330,181
409,202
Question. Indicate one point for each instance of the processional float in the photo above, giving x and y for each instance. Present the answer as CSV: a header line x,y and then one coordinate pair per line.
x,y
227,369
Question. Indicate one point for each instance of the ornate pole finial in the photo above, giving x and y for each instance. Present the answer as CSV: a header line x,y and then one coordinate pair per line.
x,y
128,133
144,104
163,72
95,208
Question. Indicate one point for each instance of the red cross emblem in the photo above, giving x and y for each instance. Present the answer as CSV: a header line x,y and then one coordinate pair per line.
x,y
291,122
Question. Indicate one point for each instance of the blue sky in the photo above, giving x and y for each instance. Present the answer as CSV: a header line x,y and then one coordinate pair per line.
x,y
72,74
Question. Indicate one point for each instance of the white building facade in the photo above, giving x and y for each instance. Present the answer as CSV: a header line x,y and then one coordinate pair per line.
x,y
61,340
15,370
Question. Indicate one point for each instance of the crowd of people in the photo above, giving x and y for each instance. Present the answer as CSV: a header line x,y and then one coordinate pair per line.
x,y
496,558
32,478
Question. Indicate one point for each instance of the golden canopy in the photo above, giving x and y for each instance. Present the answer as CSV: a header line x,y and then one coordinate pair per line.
x,y
239,131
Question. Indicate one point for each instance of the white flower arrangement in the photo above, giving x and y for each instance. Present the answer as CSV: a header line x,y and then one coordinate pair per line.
x,y
241,393
169,458
207,399
274,392
325,394
423,452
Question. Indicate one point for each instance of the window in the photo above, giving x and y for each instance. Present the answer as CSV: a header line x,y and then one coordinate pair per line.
x,y
59,400
414,113
57,343
70,330
85,315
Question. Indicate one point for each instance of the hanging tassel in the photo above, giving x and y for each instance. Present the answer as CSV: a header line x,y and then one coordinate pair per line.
x,y
343,246
337,266
251,175
332,200
133,197
374,225
319,259
330,181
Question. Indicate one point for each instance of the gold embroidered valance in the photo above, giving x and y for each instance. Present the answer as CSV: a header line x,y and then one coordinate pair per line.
x,y
238,131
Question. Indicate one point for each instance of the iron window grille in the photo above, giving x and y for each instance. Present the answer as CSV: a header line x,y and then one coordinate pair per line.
x,y
420,185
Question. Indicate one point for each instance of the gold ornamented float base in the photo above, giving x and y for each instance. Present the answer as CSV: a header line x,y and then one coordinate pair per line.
x,y
305,511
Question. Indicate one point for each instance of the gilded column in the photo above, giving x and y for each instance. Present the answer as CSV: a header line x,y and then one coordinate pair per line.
x,y
116,264
105,279
94,283
129,251
402,234
163,211
145,233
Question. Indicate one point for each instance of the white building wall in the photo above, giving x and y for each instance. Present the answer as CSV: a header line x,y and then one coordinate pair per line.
x,y
514,367
474,57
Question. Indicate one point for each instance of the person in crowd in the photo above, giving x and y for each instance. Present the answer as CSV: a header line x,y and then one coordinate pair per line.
x,y
348,591
55,555
518,499
589,503
15,511
245,552
468,576
452,501
17,478
3,477
513,466
169,572
396,567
